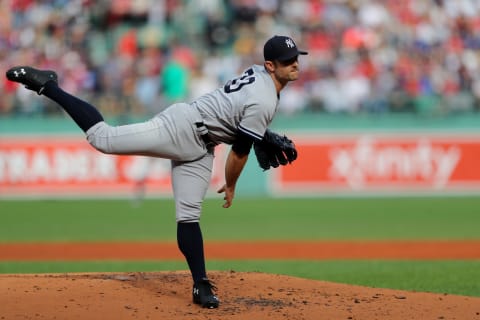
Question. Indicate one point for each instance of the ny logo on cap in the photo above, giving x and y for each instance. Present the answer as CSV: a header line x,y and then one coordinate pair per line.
x,y
289,42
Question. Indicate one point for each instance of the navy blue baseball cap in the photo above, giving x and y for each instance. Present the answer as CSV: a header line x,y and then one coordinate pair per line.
x,y
281,48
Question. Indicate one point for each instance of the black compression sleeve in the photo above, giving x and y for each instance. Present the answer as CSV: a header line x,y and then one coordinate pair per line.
x,y
243,143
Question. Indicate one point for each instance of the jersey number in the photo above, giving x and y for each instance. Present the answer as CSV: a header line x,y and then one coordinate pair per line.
x,y
237,83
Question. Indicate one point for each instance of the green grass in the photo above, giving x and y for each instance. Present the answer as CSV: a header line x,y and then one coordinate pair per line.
x,y
248,219
451,218
452,277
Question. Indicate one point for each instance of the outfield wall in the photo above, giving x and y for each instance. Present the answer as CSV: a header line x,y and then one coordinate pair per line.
x,y
334,162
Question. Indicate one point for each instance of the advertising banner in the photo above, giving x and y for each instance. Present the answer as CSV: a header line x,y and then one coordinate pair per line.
x,y
381,163
69,166
328,165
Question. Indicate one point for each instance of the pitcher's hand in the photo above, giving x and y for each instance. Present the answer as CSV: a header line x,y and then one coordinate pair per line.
x,y
229,195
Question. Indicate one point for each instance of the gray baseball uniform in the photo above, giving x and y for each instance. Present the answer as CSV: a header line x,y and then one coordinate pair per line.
x,y
247,104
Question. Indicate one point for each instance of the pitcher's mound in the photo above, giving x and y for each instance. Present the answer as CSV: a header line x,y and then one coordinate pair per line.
x,y
167,295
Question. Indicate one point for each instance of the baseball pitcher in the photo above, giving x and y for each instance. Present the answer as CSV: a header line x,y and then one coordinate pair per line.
x,y
237,114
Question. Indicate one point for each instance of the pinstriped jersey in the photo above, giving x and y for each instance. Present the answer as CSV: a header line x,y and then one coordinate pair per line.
x,y
247,104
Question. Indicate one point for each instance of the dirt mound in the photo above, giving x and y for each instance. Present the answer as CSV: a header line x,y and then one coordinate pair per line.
x,y
166,295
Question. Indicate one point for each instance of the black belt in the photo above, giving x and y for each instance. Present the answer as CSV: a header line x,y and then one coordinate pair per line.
x,y
202,129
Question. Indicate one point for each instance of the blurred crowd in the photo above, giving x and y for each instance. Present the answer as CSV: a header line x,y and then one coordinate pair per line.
x,y
136,57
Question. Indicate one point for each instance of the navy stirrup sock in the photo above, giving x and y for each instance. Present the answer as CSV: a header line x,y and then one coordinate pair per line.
x,y
84,114
190,243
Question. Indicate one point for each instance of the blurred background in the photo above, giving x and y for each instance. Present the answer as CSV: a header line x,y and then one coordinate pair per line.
x,y
374,67
135,57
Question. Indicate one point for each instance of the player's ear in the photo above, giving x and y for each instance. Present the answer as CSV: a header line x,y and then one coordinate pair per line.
x,y
269,66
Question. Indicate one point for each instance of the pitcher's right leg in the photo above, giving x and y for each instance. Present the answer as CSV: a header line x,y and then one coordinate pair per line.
x,y
45,82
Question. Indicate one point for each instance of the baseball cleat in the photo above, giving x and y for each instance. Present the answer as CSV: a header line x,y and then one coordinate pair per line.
x,y
203,294
31,78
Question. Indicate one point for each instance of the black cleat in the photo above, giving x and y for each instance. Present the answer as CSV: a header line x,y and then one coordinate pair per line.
x,y
31,78
203,294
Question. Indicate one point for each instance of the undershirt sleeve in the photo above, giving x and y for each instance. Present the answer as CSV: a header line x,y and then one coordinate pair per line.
x,y
243,143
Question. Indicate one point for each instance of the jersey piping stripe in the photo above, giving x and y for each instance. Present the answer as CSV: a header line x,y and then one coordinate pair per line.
x,y
250,133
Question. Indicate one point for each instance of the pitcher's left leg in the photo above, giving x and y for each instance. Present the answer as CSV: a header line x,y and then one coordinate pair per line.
x,y
190,182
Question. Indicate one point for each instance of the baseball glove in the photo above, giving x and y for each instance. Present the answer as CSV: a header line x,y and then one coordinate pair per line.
x,y
274,150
